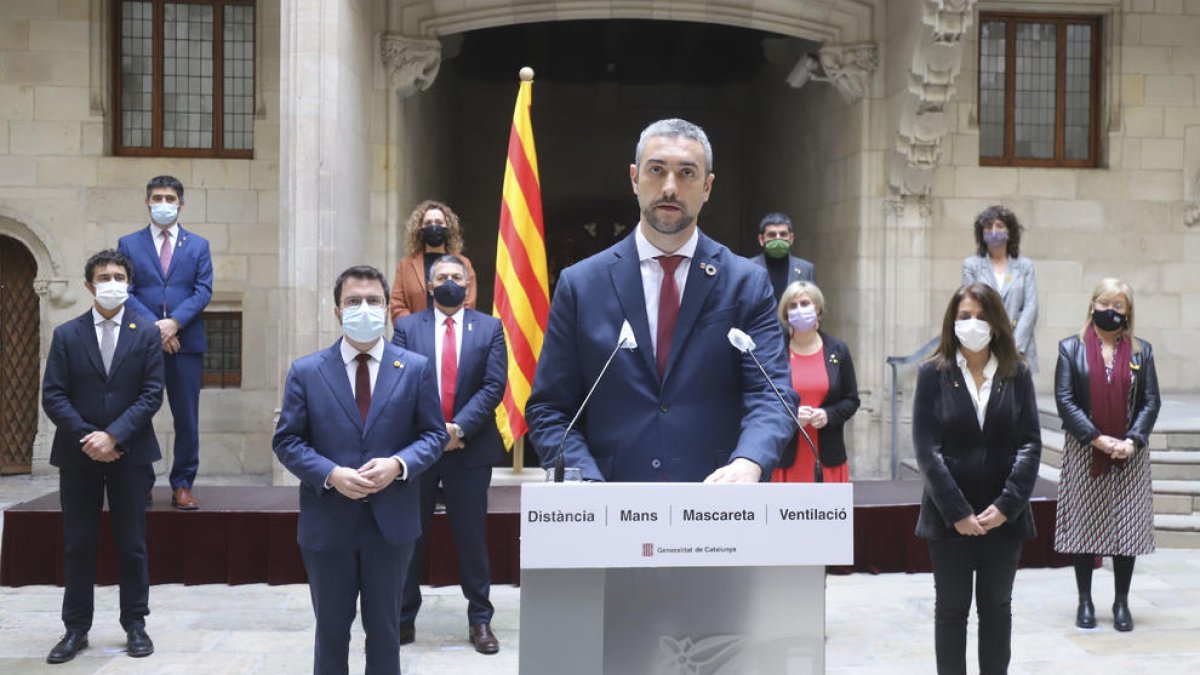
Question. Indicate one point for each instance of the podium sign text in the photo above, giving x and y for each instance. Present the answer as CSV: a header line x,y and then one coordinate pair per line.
x,y
607,525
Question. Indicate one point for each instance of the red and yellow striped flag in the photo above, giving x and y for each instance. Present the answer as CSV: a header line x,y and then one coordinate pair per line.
x,y
522,296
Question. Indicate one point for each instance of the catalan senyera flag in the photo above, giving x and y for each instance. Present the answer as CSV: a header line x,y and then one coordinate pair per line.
x,y
522,296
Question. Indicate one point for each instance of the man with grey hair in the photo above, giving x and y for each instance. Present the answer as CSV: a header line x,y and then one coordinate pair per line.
x,y
684,405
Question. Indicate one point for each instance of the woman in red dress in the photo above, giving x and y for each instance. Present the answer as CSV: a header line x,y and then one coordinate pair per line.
x,y
823,376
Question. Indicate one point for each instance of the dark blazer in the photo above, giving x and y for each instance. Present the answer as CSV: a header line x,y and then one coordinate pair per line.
x,y
182,294
482,376
967,469
713,404
320,429
80,398
799,269
1072,392
840,404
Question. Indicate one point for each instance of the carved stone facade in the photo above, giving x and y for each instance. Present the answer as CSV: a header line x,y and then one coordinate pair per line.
x,y
411,63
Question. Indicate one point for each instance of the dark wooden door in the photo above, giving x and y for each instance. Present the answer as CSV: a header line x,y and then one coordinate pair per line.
x,y
18,357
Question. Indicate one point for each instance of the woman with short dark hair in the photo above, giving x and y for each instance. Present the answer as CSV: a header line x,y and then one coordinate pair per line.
x,y
978,446
998,263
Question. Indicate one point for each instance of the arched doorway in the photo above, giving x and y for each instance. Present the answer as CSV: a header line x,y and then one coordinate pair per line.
x,y
19,354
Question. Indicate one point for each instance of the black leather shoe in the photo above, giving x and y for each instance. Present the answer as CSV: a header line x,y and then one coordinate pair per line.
x,y
484,640
1085,616
408,633
66,649
139,643
1122,619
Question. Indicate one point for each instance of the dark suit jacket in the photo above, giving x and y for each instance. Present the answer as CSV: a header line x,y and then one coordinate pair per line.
x,y
713,404
482,375
80,398
320,429
799,269
967,469
1072,393
182,294
840,404
408,286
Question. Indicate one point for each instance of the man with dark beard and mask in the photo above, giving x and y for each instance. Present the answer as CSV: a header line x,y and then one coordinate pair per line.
x,y
776,237
433,230
684,405
467,349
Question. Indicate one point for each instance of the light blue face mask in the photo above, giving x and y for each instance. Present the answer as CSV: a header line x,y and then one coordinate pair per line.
x,y
164,214
364,323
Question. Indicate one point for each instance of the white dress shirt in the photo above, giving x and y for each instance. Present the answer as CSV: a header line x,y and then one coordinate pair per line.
x,y
98,318
979,397
350,358
652,274
439,334
157,234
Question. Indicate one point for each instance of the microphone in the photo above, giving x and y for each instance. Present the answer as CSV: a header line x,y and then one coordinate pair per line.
x,y
625,340
745,344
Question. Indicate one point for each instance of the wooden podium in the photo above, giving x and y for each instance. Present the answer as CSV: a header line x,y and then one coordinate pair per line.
x,y
627,578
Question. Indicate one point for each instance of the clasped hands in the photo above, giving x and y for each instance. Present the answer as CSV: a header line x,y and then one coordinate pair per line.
x,y
978,525
168,333
100,446
815,417
367,479
1113,447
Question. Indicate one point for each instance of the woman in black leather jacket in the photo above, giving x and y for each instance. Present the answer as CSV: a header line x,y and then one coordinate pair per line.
x,y
978,445
1107,395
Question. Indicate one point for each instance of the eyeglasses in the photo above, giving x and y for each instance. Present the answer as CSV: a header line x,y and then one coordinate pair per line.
x,y
374,301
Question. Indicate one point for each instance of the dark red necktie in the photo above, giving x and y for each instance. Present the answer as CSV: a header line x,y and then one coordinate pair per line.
x,y
668,309
362,386
449,370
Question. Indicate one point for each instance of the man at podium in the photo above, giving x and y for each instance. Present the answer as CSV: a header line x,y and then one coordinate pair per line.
x,y
682,404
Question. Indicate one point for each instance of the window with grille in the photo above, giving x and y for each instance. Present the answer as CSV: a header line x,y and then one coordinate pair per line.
x,y
223,360
184,78
1039,90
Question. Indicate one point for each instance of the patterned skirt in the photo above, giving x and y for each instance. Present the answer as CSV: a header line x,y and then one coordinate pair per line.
x,y
1110,514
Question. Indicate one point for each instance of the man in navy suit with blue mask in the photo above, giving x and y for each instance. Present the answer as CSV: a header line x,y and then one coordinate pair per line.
x,y
467,348
103,384
684,405
358,423
173,274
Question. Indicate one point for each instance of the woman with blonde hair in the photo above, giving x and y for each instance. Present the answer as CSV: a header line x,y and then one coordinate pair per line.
x,y
823,376
433,230
1106,389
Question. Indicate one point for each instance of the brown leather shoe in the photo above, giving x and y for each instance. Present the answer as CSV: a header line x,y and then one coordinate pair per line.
x,y
484,640
183,500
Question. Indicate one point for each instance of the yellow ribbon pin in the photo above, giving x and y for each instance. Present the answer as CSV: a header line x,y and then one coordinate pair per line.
x,y
132,326
397,364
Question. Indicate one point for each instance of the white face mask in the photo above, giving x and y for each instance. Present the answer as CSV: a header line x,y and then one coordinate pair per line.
x,y
974,334
164,214
111,294
364,324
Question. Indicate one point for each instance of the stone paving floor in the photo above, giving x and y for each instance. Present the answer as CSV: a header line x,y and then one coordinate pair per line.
x,y
877,625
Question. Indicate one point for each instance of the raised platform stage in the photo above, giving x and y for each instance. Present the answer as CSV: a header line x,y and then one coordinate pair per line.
x,y
247,535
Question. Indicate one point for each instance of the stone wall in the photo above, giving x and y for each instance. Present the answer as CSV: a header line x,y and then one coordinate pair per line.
x,y
1125,219
63,193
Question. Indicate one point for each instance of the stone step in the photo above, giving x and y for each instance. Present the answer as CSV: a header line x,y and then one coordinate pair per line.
x,y
1175,465
1177,530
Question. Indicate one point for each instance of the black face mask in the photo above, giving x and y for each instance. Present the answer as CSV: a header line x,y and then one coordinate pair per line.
x,y
434,235
1108,319
449,294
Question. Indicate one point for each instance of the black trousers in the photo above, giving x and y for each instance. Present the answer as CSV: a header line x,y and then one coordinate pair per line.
x,y
989,564
82,494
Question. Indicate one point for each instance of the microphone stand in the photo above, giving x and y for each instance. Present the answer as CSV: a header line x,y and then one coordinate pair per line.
x,y
560,460
818,473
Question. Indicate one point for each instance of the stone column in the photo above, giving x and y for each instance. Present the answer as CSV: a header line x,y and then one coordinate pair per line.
x,y
324,168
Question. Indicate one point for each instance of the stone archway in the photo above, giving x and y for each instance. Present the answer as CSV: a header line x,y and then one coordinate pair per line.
x,y
53,292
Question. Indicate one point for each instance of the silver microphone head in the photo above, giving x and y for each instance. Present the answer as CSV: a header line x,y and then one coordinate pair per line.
x,y
626,340
741,341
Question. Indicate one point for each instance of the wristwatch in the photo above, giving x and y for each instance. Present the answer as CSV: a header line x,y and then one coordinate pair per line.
x,y
458,431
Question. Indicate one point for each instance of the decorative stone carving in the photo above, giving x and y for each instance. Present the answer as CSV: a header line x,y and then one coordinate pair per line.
x,y
55,289
411,63
1191,175
949,19
847,67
